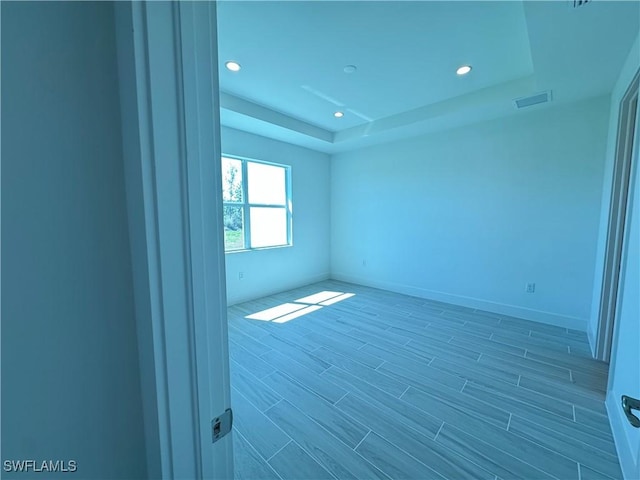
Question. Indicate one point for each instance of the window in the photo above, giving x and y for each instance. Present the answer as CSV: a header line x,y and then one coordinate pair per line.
x,y
257,204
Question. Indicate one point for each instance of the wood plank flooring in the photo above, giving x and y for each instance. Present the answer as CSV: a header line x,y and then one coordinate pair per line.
x,y
381,385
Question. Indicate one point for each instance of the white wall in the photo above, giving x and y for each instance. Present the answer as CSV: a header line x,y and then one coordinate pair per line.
x,y
470,215
70,381
624,374
273,270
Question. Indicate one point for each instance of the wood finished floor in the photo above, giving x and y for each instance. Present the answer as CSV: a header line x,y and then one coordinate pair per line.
x,y
382,385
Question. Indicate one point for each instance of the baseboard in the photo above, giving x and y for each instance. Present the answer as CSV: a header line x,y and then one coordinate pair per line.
x,y
540,316
272,290
626,455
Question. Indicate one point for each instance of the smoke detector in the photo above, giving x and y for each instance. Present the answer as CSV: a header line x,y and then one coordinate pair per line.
x,y
535,99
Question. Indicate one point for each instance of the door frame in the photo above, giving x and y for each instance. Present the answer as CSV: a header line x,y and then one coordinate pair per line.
x,y
617,220
628,453
167,62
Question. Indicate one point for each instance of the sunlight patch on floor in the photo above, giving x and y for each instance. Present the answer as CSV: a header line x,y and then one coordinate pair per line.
x,y
311,303
275,312
337,299
299,313
319,297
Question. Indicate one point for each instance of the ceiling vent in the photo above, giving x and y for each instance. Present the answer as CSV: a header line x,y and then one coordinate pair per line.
x,y
580,3
535,99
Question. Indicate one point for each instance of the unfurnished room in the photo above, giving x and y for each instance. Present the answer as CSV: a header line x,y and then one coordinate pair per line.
x,y
321,240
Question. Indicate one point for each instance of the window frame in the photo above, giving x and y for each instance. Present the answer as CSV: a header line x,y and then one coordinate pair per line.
x,y
246,205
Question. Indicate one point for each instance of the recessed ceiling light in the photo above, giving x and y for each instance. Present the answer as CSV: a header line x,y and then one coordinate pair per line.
x,y
338,114
233,66
463,70
349,69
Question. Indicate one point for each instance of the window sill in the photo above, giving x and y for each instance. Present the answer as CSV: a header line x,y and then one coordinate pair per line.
x,y
245,250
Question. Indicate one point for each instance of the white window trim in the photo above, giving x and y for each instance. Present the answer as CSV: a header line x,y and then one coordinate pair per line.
x,y
246,205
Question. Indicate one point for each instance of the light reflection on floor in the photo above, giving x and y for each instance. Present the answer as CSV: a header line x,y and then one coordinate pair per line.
x,y
288,311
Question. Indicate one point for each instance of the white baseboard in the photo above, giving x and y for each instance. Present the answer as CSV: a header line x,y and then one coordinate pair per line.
x,y
626,455
273,289
540,316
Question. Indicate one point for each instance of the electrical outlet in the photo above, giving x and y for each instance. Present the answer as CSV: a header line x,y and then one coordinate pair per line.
x,y
530,288
364,263
240,275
